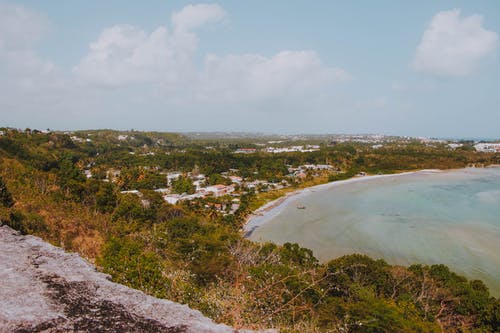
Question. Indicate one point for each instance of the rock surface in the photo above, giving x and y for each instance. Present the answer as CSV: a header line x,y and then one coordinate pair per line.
x,y
44,289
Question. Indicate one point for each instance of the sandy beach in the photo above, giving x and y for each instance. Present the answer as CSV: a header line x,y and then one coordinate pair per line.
x,y
264,213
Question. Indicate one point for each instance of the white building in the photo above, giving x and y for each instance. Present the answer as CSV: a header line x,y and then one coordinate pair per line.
x,y
175,198
172,198
136,192
236,179
171,176
219,190
455,145
488,147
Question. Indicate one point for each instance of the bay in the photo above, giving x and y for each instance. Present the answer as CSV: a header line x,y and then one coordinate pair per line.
x,y
449,217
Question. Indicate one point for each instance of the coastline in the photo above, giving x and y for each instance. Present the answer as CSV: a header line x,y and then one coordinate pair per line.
x,y
262,214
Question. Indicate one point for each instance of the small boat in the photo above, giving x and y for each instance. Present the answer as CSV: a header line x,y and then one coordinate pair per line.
x,y
301,207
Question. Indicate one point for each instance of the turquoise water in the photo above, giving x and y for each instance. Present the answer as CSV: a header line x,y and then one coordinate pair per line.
x,y
448,217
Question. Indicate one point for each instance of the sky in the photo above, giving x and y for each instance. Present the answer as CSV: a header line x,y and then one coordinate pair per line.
x,y
418,68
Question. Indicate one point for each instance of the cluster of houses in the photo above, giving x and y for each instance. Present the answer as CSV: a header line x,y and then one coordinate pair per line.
x,y
488,147
78,139
300,149
301,171
245,151
218,190
277,150
198,181
237,186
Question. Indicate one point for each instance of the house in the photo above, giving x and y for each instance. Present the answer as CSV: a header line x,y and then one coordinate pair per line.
x,y
255,183
199,177
236,179
316,166
235,204
191,196
198,184
300,175
487,147
455,145
171,176
175,198
172,198
136,192
219,190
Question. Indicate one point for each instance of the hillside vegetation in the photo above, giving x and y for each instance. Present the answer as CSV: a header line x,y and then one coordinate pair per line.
x,y
195,254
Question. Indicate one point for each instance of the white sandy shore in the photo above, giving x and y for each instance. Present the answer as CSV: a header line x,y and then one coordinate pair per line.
x,y
264,213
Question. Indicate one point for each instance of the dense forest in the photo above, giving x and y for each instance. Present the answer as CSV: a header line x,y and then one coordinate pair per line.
x,y
192,253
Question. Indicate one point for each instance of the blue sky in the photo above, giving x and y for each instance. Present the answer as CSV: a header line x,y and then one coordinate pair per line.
x,y
427,68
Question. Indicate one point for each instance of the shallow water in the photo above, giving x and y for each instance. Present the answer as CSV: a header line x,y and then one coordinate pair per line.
x,y
449,217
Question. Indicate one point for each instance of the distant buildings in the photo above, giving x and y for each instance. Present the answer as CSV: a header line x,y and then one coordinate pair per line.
x,y
277,150
487,147
301,149
245,151
455,145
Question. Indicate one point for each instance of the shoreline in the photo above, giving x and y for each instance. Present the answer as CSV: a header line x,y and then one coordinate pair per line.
x,y
473,243
257,217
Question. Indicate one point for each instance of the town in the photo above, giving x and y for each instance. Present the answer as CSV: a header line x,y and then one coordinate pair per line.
x,y
221,189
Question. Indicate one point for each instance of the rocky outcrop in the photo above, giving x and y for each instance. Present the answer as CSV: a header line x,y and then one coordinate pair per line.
x,y
44,289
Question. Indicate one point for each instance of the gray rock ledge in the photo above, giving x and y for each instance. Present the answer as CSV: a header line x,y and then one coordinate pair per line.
x,y
44,289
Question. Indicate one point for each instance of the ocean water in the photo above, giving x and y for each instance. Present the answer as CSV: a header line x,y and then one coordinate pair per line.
x,y
450,217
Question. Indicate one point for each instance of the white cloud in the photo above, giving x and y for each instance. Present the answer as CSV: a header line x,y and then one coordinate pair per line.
x,y
453,45
193,16
20,27
20,30
31,88
154,72
252,76
124,55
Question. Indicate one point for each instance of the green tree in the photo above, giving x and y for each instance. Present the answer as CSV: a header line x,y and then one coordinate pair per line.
x,y
106,198
217,178
5,196
130,263
183,185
